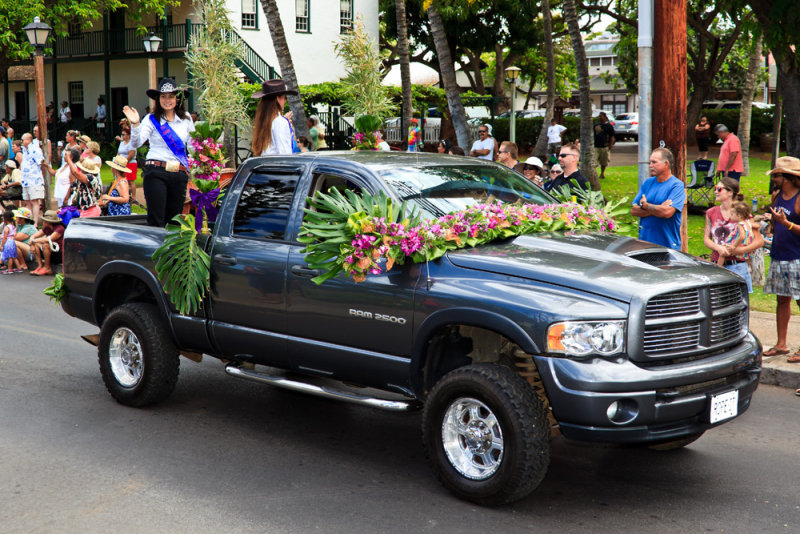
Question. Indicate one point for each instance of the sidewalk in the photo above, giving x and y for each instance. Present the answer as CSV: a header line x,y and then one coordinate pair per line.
x,y
776,370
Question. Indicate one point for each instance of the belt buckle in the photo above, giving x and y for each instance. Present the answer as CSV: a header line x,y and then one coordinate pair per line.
x,y
172,166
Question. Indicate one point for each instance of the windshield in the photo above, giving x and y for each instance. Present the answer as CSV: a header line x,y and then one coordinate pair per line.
x,y
439,190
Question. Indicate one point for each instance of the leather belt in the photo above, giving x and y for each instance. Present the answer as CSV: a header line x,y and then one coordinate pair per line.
x,y
733,262
163,164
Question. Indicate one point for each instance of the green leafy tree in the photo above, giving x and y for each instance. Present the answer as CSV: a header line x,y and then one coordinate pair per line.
x,y
780,22
58,14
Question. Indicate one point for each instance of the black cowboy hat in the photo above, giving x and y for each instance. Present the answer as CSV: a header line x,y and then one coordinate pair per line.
x,y
166,85
273,88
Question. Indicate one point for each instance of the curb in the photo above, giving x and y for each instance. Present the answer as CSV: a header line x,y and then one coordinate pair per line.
x,y
776,371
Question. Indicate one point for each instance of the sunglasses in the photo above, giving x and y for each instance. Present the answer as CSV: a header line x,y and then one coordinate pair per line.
x,y
530,168
564,155
721,188
483,131
555,172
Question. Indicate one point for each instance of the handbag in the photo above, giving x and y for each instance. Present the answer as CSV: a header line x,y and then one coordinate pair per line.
x,y
104,207
14,190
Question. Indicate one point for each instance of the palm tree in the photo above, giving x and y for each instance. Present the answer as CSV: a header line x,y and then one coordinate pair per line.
x,y
286,65
746,110
448,71
587,134
405,66
541,144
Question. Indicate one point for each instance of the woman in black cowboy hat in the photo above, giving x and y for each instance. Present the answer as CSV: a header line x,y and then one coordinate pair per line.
x,y
168,129
272,132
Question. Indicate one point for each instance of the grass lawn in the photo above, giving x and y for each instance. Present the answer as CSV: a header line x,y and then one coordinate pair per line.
x,y
623,181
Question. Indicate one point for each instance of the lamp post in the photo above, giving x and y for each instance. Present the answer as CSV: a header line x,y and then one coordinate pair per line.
x,y
151,45
37,33
513,74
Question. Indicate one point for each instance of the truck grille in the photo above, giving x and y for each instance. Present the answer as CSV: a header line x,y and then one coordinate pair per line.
x,y
693,321
674,304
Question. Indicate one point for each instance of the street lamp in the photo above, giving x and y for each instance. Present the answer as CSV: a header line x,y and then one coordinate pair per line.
x,y
151,46
513,73
37,33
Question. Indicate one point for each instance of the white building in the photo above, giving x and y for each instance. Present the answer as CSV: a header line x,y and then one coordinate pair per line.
x,y
109,60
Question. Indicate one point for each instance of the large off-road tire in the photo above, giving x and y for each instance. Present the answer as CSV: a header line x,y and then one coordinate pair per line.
x,y
674,443
486,434
138,360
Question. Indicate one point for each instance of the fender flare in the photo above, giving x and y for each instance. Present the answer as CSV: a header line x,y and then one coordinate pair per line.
x,y
463,316
134,270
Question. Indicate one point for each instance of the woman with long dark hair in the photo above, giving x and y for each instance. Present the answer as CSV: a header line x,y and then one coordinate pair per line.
x,y
272,131
168,129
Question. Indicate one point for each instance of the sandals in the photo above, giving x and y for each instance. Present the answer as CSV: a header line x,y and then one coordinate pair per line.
x,y
794,358
775,351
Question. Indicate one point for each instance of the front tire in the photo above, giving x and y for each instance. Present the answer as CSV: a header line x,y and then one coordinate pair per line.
x,y
138,360
486,434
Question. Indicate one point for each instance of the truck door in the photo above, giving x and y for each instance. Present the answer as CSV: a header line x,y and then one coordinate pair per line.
x,y
346,330
248,264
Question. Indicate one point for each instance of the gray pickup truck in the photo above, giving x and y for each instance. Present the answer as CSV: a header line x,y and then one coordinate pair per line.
x,y
597,336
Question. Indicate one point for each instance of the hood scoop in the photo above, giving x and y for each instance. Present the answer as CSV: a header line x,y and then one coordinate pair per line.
x,y
655,258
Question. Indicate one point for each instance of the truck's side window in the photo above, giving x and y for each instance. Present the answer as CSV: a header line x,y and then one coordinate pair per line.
x,y
325,182
264,205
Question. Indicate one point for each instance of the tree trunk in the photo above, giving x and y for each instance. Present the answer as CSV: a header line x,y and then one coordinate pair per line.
x,y
286,65
777,115
789,79
587,133
405,66
447,68
693,112
540,149
745,112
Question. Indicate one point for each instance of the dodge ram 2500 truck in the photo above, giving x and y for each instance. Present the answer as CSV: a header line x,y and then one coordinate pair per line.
x,y
598,336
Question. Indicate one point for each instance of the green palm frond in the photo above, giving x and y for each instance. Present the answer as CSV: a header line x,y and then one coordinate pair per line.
x,y
182,266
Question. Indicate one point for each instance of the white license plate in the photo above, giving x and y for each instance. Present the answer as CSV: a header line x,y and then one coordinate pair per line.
x,y
724,406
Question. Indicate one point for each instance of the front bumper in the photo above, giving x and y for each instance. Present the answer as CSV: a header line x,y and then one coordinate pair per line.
x,y
662,402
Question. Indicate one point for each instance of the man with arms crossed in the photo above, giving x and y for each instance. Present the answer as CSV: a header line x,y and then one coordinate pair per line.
x,y
659,202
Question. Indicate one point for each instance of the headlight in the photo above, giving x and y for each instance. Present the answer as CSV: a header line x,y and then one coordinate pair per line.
x,y
587,337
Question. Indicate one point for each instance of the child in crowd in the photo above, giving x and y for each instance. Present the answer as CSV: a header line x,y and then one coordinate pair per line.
x,y
740,214
9,245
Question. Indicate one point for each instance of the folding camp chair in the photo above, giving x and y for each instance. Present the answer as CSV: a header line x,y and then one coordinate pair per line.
x,y
701,188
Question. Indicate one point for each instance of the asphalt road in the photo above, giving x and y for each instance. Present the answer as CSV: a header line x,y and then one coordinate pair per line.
x,y
223,455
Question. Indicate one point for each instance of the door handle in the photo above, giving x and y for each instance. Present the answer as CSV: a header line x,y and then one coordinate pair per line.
x,y
302,270
224,259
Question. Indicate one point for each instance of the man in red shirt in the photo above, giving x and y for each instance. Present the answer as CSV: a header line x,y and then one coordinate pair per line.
x,y
730,155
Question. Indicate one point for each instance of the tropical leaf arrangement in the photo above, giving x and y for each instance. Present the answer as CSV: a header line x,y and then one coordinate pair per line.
x,y
619,210
363,235
56,290
182,265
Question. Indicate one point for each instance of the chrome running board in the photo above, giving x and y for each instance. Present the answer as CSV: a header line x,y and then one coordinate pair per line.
x,y
322,391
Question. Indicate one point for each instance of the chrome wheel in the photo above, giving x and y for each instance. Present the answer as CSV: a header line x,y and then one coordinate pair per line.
x,y
472,438
126,357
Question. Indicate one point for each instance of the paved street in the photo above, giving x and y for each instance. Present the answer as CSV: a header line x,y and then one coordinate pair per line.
x,y
228,456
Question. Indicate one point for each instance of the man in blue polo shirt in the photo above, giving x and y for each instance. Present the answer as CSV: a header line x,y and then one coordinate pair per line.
x,y
659,202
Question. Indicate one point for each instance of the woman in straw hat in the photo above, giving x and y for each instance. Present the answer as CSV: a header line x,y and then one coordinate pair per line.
x,y
273,132
118,197
85,181
783,278
168,129
47,243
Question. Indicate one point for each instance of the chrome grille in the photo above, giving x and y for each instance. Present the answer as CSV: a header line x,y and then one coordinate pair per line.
x,y
671,338
724,296
686,302
692,322
727,327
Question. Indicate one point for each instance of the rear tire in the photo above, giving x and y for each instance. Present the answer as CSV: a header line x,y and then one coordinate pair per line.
x,y
138,360
486,434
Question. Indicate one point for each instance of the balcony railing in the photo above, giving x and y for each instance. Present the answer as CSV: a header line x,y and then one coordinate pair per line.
x,y
175,37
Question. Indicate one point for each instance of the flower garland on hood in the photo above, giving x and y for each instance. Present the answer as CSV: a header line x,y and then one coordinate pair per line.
x,y
366,235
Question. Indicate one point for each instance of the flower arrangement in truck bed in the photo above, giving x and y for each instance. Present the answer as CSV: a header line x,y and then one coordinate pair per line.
x,y
363,235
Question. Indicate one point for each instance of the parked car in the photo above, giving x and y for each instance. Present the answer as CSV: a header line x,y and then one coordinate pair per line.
x,y
598,336
627,126
733,104
575,112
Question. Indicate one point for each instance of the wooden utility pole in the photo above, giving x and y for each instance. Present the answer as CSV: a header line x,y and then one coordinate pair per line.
x,y
669,87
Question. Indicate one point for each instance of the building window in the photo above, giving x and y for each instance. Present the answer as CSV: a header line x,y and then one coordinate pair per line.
x,y
345,16
249,14
607,62
74,29
616,104
75,92
594,62
303,16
